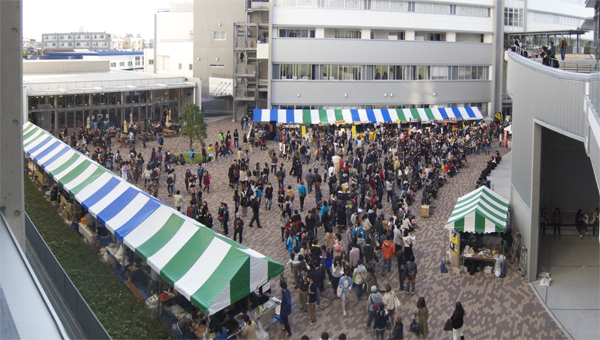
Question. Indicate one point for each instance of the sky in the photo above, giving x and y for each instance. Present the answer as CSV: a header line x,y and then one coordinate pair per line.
x,y
110,16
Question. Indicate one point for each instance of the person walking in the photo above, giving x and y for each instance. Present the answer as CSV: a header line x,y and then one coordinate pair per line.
x,y
286,308
238,227
381,320
255,210
346,285
390,301
303,289
302,194
178,200
389,250
421,315
410,272
398,332
373,303
360,276
457,320
312,298
563,48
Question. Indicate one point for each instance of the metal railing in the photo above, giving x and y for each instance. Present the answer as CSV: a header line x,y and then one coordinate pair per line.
x,y
577,66
82,312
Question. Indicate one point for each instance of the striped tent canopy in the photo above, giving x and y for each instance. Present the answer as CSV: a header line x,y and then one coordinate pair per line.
x,y
209,269
366,115
481,211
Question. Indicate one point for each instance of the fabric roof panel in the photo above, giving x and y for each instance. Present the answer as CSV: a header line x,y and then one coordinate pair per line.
x,y
183,261
149,227
162,236
347,116
170,249
141,215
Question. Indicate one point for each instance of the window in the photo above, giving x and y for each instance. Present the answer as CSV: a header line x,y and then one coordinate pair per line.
x,y
220,35
150,61
179,66
113,64
137,63
347,34
191,67
122,64
296,33
513,17
217,66
130,63
439,72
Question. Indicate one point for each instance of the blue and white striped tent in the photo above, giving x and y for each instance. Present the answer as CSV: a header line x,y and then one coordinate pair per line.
x,y
351,116
209,269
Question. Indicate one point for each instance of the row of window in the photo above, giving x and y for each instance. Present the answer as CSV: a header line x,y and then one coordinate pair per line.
x,y
557,19
378,72
357,34
77,37
390,5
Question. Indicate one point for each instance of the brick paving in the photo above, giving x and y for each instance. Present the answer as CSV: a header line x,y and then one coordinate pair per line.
x,y
495,308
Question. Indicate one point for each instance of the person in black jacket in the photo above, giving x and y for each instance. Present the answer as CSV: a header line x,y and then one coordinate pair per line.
x,y
398,332
255,210
457,319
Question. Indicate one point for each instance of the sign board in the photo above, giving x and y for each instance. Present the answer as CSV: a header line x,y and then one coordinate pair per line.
x,y
303,131
498,116
353,132
454,247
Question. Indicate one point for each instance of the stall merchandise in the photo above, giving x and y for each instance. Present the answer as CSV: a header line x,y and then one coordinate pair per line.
x,y
210,270
482,211
351,116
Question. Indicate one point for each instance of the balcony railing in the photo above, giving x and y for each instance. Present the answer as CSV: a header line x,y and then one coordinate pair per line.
x,y
573,65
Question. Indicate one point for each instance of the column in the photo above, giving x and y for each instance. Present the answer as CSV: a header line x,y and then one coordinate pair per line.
x,y
11,117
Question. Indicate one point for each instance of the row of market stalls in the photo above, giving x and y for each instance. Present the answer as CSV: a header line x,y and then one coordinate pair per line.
x,y
479,219
210,270
374,116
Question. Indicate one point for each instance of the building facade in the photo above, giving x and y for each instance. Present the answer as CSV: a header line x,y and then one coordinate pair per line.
x,y
118,60
65,93
93,41
173,52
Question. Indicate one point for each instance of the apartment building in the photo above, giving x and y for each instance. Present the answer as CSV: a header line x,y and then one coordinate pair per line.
x,y
93,41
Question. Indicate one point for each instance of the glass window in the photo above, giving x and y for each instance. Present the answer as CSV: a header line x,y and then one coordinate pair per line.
x,y
381,72
464,72
409,72
439,72
220,35
304,72
423,72
334,72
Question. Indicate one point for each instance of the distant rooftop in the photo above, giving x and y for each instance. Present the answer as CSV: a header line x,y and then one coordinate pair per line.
x,y
95,53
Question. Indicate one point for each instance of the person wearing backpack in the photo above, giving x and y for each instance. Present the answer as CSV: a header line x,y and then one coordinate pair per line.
x,y
373,303
410,272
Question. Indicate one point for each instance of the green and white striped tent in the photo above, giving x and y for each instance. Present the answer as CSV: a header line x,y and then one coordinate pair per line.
x,y
481,211
209,269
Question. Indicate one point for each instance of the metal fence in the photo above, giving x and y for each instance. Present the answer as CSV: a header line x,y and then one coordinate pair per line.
x,y
90,325
573,65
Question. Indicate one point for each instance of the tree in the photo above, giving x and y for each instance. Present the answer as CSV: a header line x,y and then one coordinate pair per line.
x,y
192,123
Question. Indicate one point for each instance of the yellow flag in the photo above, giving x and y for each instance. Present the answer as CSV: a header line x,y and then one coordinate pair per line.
x,y
353,131
303,131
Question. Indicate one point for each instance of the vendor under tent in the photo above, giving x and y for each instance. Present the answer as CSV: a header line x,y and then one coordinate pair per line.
x,y
210,270
482,211
369,116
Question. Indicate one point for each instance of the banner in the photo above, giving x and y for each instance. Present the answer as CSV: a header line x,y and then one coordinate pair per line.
x,y
303,131
353,131
505,137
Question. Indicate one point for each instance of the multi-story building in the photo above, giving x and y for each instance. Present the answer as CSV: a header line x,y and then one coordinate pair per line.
x,y
119,60
173,52
93,41
133,43
366,53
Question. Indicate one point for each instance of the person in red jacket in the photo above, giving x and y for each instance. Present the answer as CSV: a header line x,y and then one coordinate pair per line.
x,y
389,250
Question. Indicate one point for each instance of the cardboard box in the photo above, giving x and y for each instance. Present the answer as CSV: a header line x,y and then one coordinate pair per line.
x,y
424,211
66,215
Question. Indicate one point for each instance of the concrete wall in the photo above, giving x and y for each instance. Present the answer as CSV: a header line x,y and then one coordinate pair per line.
x,y
65,66
547,99
285,92
567,179
369,52
211,16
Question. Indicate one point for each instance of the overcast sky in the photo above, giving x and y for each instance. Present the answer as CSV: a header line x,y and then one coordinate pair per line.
x,y
112,16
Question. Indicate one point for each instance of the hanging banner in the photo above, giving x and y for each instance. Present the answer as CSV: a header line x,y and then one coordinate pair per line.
x,y
303,131
455,248
353,131
505,137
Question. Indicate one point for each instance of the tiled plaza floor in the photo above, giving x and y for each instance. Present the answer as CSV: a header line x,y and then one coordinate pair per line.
x,y
495,308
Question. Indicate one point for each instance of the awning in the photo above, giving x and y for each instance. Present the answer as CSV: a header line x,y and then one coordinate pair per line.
x,y
351,116
481,211
209,269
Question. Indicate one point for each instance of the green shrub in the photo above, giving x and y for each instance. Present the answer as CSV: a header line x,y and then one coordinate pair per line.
x,y
121,314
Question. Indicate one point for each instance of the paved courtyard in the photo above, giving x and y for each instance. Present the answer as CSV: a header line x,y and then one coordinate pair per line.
x,y
495,308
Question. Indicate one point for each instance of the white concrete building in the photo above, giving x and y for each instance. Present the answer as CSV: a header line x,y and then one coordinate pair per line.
x,y
173,41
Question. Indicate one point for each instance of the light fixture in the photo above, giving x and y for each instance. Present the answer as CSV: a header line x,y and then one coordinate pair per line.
x,y
219,24
217,59
298,95
385,94
391,94
345,95
434,94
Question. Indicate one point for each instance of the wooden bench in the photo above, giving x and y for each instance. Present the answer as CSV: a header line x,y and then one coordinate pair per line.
x,y
134,290
169,133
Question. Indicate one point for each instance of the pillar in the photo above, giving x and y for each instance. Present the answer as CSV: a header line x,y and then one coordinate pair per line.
x,y
498,63
11,117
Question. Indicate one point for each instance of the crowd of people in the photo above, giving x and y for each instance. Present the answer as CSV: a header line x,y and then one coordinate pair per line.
x,y
341,238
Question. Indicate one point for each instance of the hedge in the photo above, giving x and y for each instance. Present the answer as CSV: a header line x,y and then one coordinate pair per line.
x,y
115,306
